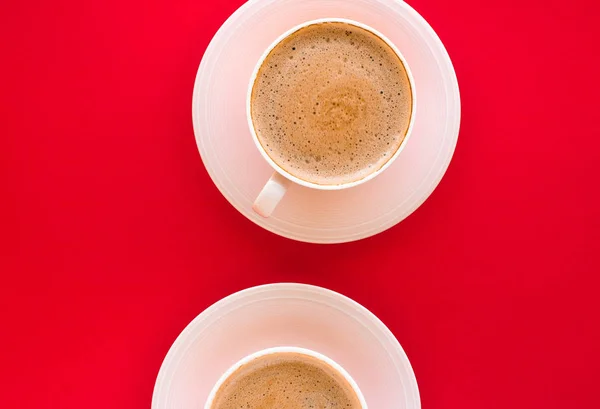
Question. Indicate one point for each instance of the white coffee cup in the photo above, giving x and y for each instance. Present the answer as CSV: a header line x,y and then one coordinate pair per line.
x,y
277,185
276,350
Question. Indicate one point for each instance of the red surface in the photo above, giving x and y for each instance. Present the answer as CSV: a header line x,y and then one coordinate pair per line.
x,y
114,237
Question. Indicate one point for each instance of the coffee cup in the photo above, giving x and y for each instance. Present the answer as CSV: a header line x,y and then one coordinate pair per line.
x,y
335,112
231,384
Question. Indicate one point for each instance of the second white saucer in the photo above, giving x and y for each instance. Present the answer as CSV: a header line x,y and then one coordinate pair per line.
x,y
296,315
239,171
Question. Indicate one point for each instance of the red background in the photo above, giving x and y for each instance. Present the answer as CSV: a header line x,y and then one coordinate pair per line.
x,y
114,237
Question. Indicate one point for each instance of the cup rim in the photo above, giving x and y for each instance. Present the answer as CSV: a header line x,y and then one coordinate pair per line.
x,y
274,350
287,174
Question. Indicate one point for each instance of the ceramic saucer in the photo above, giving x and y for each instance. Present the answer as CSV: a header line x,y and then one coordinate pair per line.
x,y
239,171
286,315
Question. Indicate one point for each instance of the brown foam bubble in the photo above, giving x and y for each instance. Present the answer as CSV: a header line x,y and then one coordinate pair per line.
x,y
286,380
331,103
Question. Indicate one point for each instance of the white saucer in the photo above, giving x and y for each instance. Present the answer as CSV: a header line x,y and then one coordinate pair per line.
x,y
286,315
239,171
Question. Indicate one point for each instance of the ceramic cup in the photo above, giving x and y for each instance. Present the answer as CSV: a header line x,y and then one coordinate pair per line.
x,y
276,350
277,185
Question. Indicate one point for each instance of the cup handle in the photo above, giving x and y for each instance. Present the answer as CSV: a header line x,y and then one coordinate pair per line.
x,y
271,195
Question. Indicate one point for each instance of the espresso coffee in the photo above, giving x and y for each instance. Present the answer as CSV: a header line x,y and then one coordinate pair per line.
x,y
286,380
331,103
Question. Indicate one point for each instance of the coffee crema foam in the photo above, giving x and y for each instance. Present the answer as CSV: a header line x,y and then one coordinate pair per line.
x,y
331,103
286,380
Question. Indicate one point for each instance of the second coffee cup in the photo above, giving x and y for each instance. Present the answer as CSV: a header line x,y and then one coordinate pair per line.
x,y
286,377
